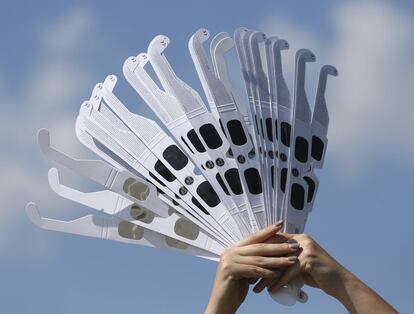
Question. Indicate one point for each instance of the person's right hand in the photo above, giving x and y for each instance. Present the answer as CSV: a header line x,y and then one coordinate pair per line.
x,y
318,269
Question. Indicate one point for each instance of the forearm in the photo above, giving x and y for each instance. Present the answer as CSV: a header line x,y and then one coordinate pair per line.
x,y
358,298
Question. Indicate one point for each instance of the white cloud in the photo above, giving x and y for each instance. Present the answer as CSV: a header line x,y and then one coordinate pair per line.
x,y
69,34
50,96
371,101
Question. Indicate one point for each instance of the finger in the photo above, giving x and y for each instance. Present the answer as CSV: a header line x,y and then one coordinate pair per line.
x,y
261,235
276,238
287,236
267,262
268,249
290,273
252,271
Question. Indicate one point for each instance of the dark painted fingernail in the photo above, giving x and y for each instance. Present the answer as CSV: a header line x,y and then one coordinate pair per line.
x,y
279,223
293,246
293,258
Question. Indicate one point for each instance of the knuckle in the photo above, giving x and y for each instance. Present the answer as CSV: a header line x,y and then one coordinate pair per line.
x,y
225,266
307,241
254,269
260,261
259,246
227,252
309,266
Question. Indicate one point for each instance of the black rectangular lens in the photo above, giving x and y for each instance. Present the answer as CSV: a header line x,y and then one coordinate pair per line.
x,y
317,148
311,188
276,130
285,130
283,178
301,149
269,129
233,179
207,193
261,127
236,131
210,136
297,196
272,173
195,140
163,171
253,180
175,157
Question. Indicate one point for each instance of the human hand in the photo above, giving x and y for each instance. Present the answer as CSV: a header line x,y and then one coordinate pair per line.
x,y
257,256
318,269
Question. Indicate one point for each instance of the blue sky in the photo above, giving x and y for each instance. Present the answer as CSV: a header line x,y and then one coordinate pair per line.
x,y
52,55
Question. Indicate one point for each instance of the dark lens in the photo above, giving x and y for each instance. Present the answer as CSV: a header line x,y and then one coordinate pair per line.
x,y
261,127
195,140
206,192
272,173
175,157
276,130
283,178
163,171
301,149
297,197
233,179
221,182
317,148
210,136
285,133
236,131
197,203
254,182
311,188
269,129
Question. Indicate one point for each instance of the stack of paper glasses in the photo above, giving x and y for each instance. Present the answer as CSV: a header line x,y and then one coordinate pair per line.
x,y
209,175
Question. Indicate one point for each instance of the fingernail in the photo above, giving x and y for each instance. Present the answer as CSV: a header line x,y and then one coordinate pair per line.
x,y
293,246
293,258
279,223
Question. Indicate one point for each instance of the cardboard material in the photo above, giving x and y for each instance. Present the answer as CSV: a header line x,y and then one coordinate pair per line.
x,y
208,173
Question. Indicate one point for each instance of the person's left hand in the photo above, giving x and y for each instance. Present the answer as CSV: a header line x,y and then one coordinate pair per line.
x,y
257,256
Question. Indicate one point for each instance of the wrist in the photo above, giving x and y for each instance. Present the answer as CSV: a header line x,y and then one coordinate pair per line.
x,y
345,280
348,286
226,296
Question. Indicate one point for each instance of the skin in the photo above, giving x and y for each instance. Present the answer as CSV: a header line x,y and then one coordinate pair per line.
x,y
254,257
265,255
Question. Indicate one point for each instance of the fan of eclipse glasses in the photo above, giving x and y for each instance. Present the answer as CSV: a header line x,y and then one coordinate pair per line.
x,y
210,175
